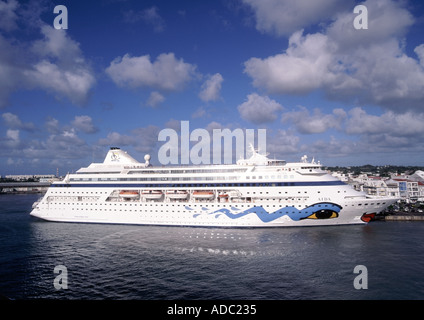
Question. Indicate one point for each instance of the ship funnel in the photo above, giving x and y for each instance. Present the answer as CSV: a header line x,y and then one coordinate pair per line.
x,y
118,156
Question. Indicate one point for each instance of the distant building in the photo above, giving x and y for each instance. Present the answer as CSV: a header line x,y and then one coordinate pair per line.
x,y
417,176
341,176
409,188
375,186
25,177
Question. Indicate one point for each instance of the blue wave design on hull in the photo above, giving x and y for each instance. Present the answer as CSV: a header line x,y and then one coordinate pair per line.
x,y
292,212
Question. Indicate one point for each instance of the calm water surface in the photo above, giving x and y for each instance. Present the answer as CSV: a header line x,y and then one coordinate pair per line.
x,y
143,262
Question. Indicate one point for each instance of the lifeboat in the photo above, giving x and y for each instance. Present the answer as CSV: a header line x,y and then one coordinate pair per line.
x,y
223,197
152,194
203,194
129,194
176,194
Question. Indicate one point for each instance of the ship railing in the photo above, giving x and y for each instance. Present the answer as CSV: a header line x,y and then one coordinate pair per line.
x,y
354,197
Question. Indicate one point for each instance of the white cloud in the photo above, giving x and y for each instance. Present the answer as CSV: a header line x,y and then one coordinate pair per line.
x,y
116,139
315,123
146,138
12,138
53,63
211,88
62,142
155,99
62,68
360,134
143,139
373,135
166,73
52,125
408,124
73,83
304,66
365,66
12,121
69,133
335,147
84,124
419,50
282,143
357,122
259,109
57,44
282,17
387,19
8,16
66,145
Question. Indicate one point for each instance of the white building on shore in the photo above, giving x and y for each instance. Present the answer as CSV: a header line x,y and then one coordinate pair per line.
x,y
409,188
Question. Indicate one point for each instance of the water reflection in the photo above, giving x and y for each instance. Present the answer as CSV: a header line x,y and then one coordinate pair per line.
x,y
150,262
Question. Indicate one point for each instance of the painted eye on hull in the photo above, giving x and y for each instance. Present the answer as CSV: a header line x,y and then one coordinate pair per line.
x,y
323,214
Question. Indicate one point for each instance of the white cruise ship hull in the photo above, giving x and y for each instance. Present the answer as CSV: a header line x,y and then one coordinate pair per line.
x,y
210,214
273,194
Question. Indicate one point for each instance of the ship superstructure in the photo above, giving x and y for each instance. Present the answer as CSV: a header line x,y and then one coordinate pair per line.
x,y
254,192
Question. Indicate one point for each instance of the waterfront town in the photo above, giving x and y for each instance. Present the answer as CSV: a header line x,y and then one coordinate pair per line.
x,y
406,184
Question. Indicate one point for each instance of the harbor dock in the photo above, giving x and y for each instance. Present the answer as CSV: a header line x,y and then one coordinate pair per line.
x,y
23,187
404,218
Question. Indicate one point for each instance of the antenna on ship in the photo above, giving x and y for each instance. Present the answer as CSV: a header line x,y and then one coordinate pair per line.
x,y
252,149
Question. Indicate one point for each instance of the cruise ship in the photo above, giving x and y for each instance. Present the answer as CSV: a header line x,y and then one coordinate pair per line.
x,y
254,192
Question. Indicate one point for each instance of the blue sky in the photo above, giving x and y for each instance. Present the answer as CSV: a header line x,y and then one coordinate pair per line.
x,y
124,70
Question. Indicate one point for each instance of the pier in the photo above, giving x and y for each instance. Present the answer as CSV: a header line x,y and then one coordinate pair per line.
x,y
23,187
404,218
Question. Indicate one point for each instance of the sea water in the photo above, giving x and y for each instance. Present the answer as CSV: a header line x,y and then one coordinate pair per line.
x,y
50,260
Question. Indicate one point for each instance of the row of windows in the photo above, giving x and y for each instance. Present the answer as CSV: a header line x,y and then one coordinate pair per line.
x,y
168,205
195,205
185,178
129,210
174,171
80,192
95,192
203,185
